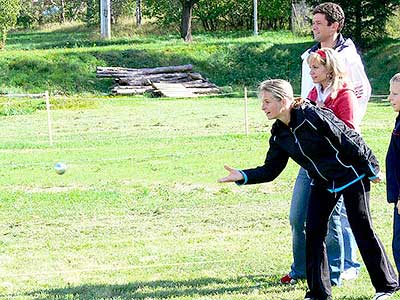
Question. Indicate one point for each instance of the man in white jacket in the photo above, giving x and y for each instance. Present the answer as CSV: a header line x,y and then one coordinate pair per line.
x,y
326,29
328,21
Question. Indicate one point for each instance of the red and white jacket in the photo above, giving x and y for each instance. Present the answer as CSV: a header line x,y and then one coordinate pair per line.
x,y
344,106
358,79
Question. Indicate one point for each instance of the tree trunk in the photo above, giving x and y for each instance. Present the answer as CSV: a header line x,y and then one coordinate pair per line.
x,y
138,13
186,22
62,15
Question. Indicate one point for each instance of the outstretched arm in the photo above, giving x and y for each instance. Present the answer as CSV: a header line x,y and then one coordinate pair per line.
x,y
234,175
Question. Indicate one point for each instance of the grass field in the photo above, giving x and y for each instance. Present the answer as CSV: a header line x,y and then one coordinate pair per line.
x,y
139,215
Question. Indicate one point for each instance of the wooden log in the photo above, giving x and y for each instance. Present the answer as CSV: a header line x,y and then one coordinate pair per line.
x,y
173,90
127,72
204,90
193,84
127,87
144,79
197,76
127,90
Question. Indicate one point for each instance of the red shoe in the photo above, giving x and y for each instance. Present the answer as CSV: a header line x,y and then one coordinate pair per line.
x,y
288,280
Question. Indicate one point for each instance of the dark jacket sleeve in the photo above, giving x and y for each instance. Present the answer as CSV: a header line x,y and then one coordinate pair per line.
x,y
351,146
393,173
393,165
275,162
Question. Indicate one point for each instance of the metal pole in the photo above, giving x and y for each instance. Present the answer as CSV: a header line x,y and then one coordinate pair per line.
x,y
105,19
255,13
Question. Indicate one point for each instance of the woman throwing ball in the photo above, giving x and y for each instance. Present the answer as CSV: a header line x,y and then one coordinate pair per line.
x,y
339,163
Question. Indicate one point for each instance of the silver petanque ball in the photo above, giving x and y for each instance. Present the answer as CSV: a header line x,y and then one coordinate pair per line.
x,y
60,168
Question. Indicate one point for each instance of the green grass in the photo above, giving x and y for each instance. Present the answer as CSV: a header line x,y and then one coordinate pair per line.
x,y
63,60
139,215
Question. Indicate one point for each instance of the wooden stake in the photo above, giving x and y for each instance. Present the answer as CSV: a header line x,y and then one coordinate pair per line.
x,y
246,123
46,95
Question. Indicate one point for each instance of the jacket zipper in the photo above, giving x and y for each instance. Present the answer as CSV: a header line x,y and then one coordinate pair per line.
x,y
298,143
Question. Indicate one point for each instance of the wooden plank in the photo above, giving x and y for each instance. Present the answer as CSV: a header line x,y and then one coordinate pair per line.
x,y
128,72
173,90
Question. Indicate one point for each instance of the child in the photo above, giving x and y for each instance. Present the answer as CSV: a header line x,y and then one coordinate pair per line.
x,y
393,168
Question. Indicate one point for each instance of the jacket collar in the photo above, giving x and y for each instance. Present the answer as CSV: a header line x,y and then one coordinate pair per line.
x,y
341,43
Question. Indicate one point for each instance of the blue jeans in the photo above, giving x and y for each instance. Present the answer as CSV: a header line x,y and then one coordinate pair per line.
x,y
297,219
334,244
335,240
350,244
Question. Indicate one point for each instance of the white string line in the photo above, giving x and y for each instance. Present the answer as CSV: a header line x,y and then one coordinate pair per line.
x,y
112,269
40,97
15,101
111,98
134,158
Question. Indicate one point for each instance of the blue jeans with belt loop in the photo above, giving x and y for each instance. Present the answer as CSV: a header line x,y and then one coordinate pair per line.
x,y
334,240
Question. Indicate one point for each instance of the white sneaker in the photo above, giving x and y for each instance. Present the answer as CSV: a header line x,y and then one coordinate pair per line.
x,y
350,274
382,296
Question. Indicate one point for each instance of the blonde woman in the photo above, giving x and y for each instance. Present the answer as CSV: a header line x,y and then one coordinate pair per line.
x,y
340,164
331,90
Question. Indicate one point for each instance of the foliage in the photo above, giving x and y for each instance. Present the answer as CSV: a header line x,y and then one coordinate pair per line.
x,y
393,25
223,15
365,20
8,18
11,106
92,12
43,12
166,12
120,8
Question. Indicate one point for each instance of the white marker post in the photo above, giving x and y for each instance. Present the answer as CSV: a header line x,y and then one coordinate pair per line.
x,y
105,19
255,14
246,123
46,95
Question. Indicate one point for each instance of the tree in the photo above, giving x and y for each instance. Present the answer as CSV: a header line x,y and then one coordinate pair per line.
x,y
138,13
186,21
365,19
8,17
221,14
92,12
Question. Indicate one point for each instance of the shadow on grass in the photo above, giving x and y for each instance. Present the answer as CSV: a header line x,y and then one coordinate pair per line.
x,y
161,289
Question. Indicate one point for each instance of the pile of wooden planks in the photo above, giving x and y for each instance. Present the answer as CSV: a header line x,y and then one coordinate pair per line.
x,y
170,81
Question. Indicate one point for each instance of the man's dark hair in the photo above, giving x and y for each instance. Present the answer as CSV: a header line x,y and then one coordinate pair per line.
x,y
333,13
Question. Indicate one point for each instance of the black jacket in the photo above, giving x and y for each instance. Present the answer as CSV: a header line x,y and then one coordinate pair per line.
x,y
393,165
334,155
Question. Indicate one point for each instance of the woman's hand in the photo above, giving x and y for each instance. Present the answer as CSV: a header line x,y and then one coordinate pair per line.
x,y
234,175
379,178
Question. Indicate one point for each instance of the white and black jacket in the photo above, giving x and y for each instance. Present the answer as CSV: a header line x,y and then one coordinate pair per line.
x,y
334,155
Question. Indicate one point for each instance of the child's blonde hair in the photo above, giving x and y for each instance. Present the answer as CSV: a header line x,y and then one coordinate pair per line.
x,y
395,78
